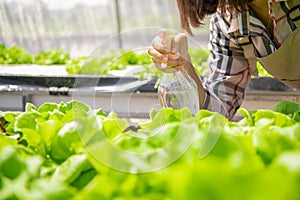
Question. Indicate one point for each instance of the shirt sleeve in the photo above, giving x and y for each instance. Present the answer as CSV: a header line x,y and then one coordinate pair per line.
x,y
230,75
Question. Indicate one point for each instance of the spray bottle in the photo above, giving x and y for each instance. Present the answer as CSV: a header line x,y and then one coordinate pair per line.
x,y
177,90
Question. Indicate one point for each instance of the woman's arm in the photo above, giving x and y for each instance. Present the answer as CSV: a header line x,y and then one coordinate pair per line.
x,y
224,89
201,91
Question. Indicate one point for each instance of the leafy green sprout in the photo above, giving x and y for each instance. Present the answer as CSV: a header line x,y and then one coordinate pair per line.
x,y
110,60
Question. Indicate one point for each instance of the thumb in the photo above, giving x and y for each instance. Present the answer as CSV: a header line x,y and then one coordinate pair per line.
x,y
179,44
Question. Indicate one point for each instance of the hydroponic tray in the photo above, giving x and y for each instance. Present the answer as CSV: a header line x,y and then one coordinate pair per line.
x,y
127,96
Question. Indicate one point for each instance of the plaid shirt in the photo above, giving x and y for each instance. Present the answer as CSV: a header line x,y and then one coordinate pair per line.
x,y
230,71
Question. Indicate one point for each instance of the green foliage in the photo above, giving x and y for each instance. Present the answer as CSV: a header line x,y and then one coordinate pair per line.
x,y
199,57
14,55
18,55
74,65
261,71
21,177
53,152
289,108
104,62
52,57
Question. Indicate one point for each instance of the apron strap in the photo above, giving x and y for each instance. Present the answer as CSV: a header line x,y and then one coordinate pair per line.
x,y
246,44
295,10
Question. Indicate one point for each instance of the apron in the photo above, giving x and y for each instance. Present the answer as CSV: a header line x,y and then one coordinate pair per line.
x,y
283,64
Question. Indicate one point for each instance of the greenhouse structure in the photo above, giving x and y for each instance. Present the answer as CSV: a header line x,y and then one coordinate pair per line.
x,y
83,113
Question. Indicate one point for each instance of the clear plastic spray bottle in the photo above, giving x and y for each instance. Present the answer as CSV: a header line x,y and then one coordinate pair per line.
x,y
178,90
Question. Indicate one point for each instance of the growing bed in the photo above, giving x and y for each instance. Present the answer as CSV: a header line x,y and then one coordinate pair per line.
x,y
68,136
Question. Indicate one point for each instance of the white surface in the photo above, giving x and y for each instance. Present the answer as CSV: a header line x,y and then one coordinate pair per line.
x,y
33,70
57,70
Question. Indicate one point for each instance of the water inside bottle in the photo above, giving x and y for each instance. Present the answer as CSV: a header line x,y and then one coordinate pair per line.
x,y
179,96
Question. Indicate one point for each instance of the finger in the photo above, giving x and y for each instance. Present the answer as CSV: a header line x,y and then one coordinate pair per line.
x,y
166,60
167,67
161,32
163,57
162,42
158,65
157,55
174,63
158,44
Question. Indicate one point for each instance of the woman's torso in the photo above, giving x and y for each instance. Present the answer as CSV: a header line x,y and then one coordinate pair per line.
x,y
268,35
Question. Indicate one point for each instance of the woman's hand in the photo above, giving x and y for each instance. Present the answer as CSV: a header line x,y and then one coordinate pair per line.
x,y
169,52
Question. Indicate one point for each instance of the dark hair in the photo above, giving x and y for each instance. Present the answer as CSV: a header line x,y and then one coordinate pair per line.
x,y
193,12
